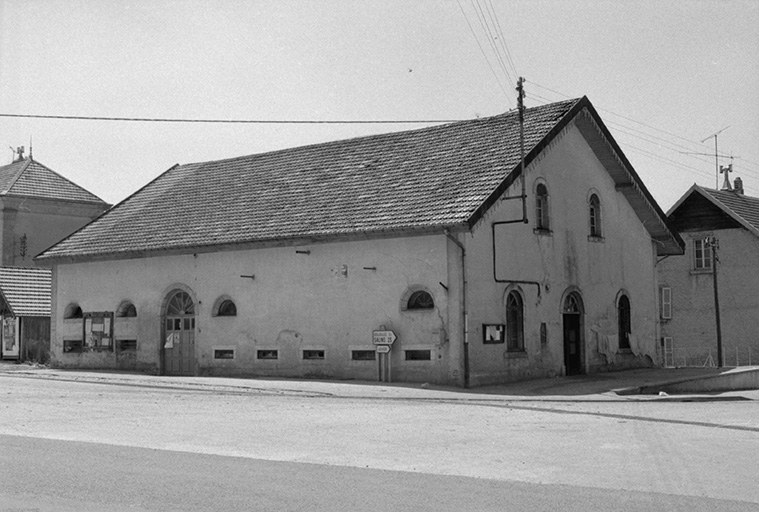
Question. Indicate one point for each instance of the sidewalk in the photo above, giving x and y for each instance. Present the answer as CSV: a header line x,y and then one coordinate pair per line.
x,y
639,384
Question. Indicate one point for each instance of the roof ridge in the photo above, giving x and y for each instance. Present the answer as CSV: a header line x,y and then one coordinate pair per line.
x,y
476,120
22,170
65,179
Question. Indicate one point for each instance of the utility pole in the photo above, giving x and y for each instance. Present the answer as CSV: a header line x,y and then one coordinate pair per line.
x,y
712,242
716,154
520,107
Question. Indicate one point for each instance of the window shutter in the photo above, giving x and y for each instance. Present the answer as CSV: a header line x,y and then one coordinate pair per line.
x,y
666,303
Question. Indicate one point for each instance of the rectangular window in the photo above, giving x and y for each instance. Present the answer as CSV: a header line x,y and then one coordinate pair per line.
x,y
72,346
127,345
702,255
418,355
666,303
313,354
267,354
223,353
363,355
493,333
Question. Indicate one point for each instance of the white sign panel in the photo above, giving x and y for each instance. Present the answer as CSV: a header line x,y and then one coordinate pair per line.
x,y
383,337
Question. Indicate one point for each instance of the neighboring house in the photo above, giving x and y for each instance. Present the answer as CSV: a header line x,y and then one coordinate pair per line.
x,y
25,313
308,261
38,208
689,327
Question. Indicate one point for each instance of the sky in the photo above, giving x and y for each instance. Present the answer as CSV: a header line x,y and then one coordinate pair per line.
x,y
664,76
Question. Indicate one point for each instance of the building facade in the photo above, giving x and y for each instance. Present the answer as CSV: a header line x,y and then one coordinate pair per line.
x,y
38,208
309,262
689,320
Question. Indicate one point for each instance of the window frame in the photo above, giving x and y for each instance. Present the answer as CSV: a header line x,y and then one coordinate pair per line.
x,y
542,213
514,306
594,217
700,262
624,322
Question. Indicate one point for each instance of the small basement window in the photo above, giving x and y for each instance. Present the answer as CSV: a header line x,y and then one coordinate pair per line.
x,y
127,345
363,355
267,354
223,353
313,354
418,355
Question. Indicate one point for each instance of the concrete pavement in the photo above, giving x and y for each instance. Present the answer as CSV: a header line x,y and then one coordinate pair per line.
x,y
638,384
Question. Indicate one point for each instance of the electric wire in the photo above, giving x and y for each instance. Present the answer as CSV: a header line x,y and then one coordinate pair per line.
x,y
482,50
502,38
491,38
228,121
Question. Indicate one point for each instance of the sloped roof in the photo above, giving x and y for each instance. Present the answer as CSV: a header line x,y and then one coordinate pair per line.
x,y
30,178
741,208
26,291
423,180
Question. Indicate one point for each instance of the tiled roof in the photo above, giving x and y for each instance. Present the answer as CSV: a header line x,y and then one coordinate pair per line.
x,y
439,177
26,290
743,206
30,178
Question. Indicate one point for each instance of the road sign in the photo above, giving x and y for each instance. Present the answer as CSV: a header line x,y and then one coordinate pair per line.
x,y
383,337
383,349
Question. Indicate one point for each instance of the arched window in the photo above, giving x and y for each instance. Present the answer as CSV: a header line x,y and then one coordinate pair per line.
x,y
72,311
420,300
227,308
541,208
180,304
595,216
514,322
126,310
623,317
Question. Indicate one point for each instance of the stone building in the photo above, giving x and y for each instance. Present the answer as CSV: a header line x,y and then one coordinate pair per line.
x,y
308,262
689,324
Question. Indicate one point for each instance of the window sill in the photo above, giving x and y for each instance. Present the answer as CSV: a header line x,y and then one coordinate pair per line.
x,y
626,350
515,354
542,232
596,239
698,271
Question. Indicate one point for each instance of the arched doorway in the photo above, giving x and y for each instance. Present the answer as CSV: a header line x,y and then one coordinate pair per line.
x,y
572,315
179,334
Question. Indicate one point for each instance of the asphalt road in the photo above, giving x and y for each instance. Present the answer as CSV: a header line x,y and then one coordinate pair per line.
x,y
86,447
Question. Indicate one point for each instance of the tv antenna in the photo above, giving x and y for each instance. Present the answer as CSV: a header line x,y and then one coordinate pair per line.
x,y
716,153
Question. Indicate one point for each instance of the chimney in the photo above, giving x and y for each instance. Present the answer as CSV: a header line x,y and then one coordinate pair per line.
x,y
738,186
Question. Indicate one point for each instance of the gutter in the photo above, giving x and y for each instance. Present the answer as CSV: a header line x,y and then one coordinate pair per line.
x,y
463,305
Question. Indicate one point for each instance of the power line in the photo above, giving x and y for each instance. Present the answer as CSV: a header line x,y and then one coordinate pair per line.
x,y
228,121
482,50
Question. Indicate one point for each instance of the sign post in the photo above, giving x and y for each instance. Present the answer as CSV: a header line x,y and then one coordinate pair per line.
x,y
383,340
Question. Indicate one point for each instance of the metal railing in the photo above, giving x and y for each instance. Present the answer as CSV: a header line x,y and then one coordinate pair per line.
x,y
700,357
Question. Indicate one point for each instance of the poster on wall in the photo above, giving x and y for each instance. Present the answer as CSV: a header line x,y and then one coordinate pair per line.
x,y
10,341
98,330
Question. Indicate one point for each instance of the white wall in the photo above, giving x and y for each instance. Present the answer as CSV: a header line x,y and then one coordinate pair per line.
x,y
598,269
329,299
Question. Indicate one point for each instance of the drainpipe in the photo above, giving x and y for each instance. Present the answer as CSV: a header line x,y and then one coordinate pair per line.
x,y
463,306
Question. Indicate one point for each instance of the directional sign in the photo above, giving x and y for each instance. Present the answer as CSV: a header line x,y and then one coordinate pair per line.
x,y
383,337
383,349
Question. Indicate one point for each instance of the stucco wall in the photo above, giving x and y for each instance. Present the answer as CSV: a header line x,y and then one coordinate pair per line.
x,y
566,259
43,222
693,324
325,297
